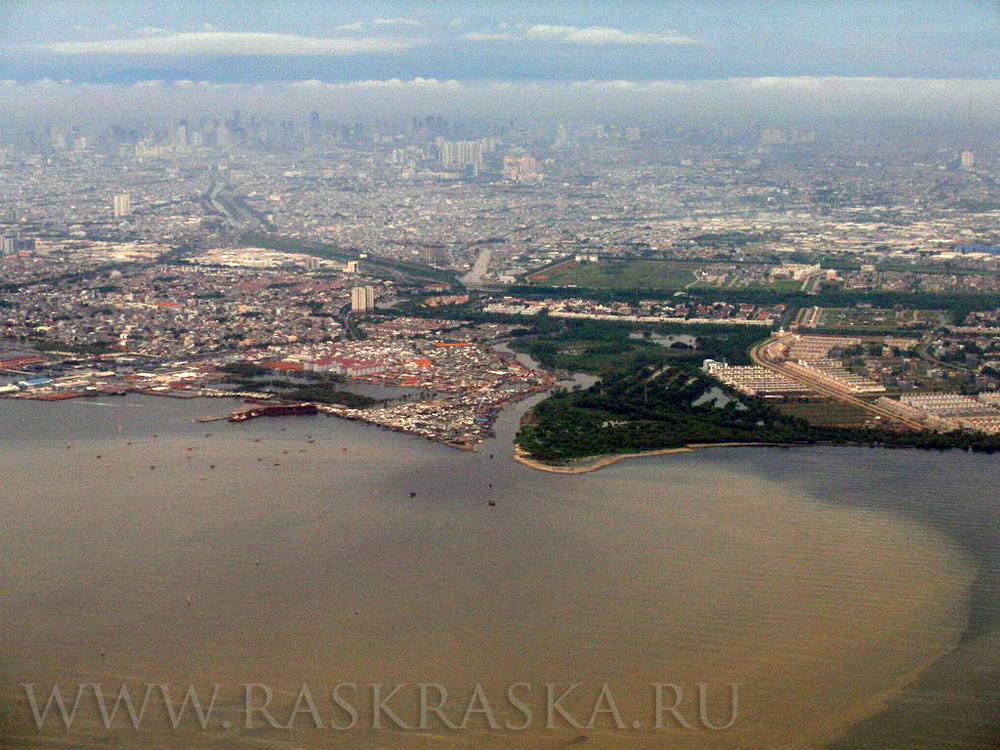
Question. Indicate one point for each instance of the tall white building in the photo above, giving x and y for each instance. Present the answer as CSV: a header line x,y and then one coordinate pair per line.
x,y
461,154
362,299
122,205
967,159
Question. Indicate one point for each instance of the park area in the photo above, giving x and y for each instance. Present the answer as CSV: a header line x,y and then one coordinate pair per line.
x,y
619,274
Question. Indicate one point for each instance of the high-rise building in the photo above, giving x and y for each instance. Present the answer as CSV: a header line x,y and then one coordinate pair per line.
x,y
967,159
461,154
181,134
632,134
122,205
362,299
14,245
520,168
435,256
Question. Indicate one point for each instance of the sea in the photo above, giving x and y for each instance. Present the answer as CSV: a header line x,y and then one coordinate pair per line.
x,y
302,569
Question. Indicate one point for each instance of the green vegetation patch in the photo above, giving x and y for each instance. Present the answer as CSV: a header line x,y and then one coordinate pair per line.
x,y
648,401
825,412
599,347
625,274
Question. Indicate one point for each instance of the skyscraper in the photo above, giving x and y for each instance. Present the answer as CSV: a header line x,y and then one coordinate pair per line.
x,y
967,159
122,205
18,244
461,154
362,299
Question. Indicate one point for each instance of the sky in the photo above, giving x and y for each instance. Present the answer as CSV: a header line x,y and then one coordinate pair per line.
x,y
809,57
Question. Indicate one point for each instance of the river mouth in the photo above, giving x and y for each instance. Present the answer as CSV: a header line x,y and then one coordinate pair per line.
x,y
316,551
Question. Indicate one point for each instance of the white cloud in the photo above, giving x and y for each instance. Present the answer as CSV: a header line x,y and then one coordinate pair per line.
x,y
356,26
396,83
785,82
597,35
484,36
396,22
151,31
229,43
386,83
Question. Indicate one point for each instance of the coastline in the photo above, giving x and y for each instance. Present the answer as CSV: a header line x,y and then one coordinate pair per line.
x,y
595,463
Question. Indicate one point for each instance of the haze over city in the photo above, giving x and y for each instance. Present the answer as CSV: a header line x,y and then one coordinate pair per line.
x,y
785,59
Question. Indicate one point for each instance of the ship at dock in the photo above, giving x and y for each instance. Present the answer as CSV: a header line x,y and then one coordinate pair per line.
x,y
272,410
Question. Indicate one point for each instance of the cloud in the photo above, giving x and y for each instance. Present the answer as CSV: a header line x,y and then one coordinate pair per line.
x,y
789,82
356,26
597,35
387,83
151,31
229,43
396,22
484,36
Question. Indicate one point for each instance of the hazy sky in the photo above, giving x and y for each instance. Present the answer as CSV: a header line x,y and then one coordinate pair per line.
x,y
814,56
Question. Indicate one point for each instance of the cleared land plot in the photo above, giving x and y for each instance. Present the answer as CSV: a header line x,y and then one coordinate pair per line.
x,y
638,274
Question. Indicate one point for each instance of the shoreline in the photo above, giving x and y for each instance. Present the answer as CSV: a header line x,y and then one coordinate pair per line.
x,y
595,463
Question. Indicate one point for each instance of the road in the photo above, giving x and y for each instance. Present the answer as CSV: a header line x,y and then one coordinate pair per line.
x,y
475,275
759,356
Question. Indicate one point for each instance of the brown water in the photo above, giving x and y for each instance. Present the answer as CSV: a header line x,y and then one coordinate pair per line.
x,y
296,562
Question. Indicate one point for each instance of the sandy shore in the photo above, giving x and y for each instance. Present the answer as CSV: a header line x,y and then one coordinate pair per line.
x,y
585,465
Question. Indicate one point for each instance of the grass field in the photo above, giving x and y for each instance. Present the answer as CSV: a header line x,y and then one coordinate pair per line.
x,y
825,413
629,274
879,319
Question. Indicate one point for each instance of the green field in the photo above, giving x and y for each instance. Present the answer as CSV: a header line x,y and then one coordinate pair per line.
x,y
626,274
879,319
825,412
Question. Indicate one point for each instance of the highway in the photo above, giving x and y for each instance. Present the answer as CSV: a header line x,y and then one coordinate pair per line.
x,y
475,275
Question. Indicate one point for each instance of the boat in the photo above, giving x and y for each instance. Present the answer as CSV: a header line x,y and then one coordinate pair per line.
x,y
272,410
